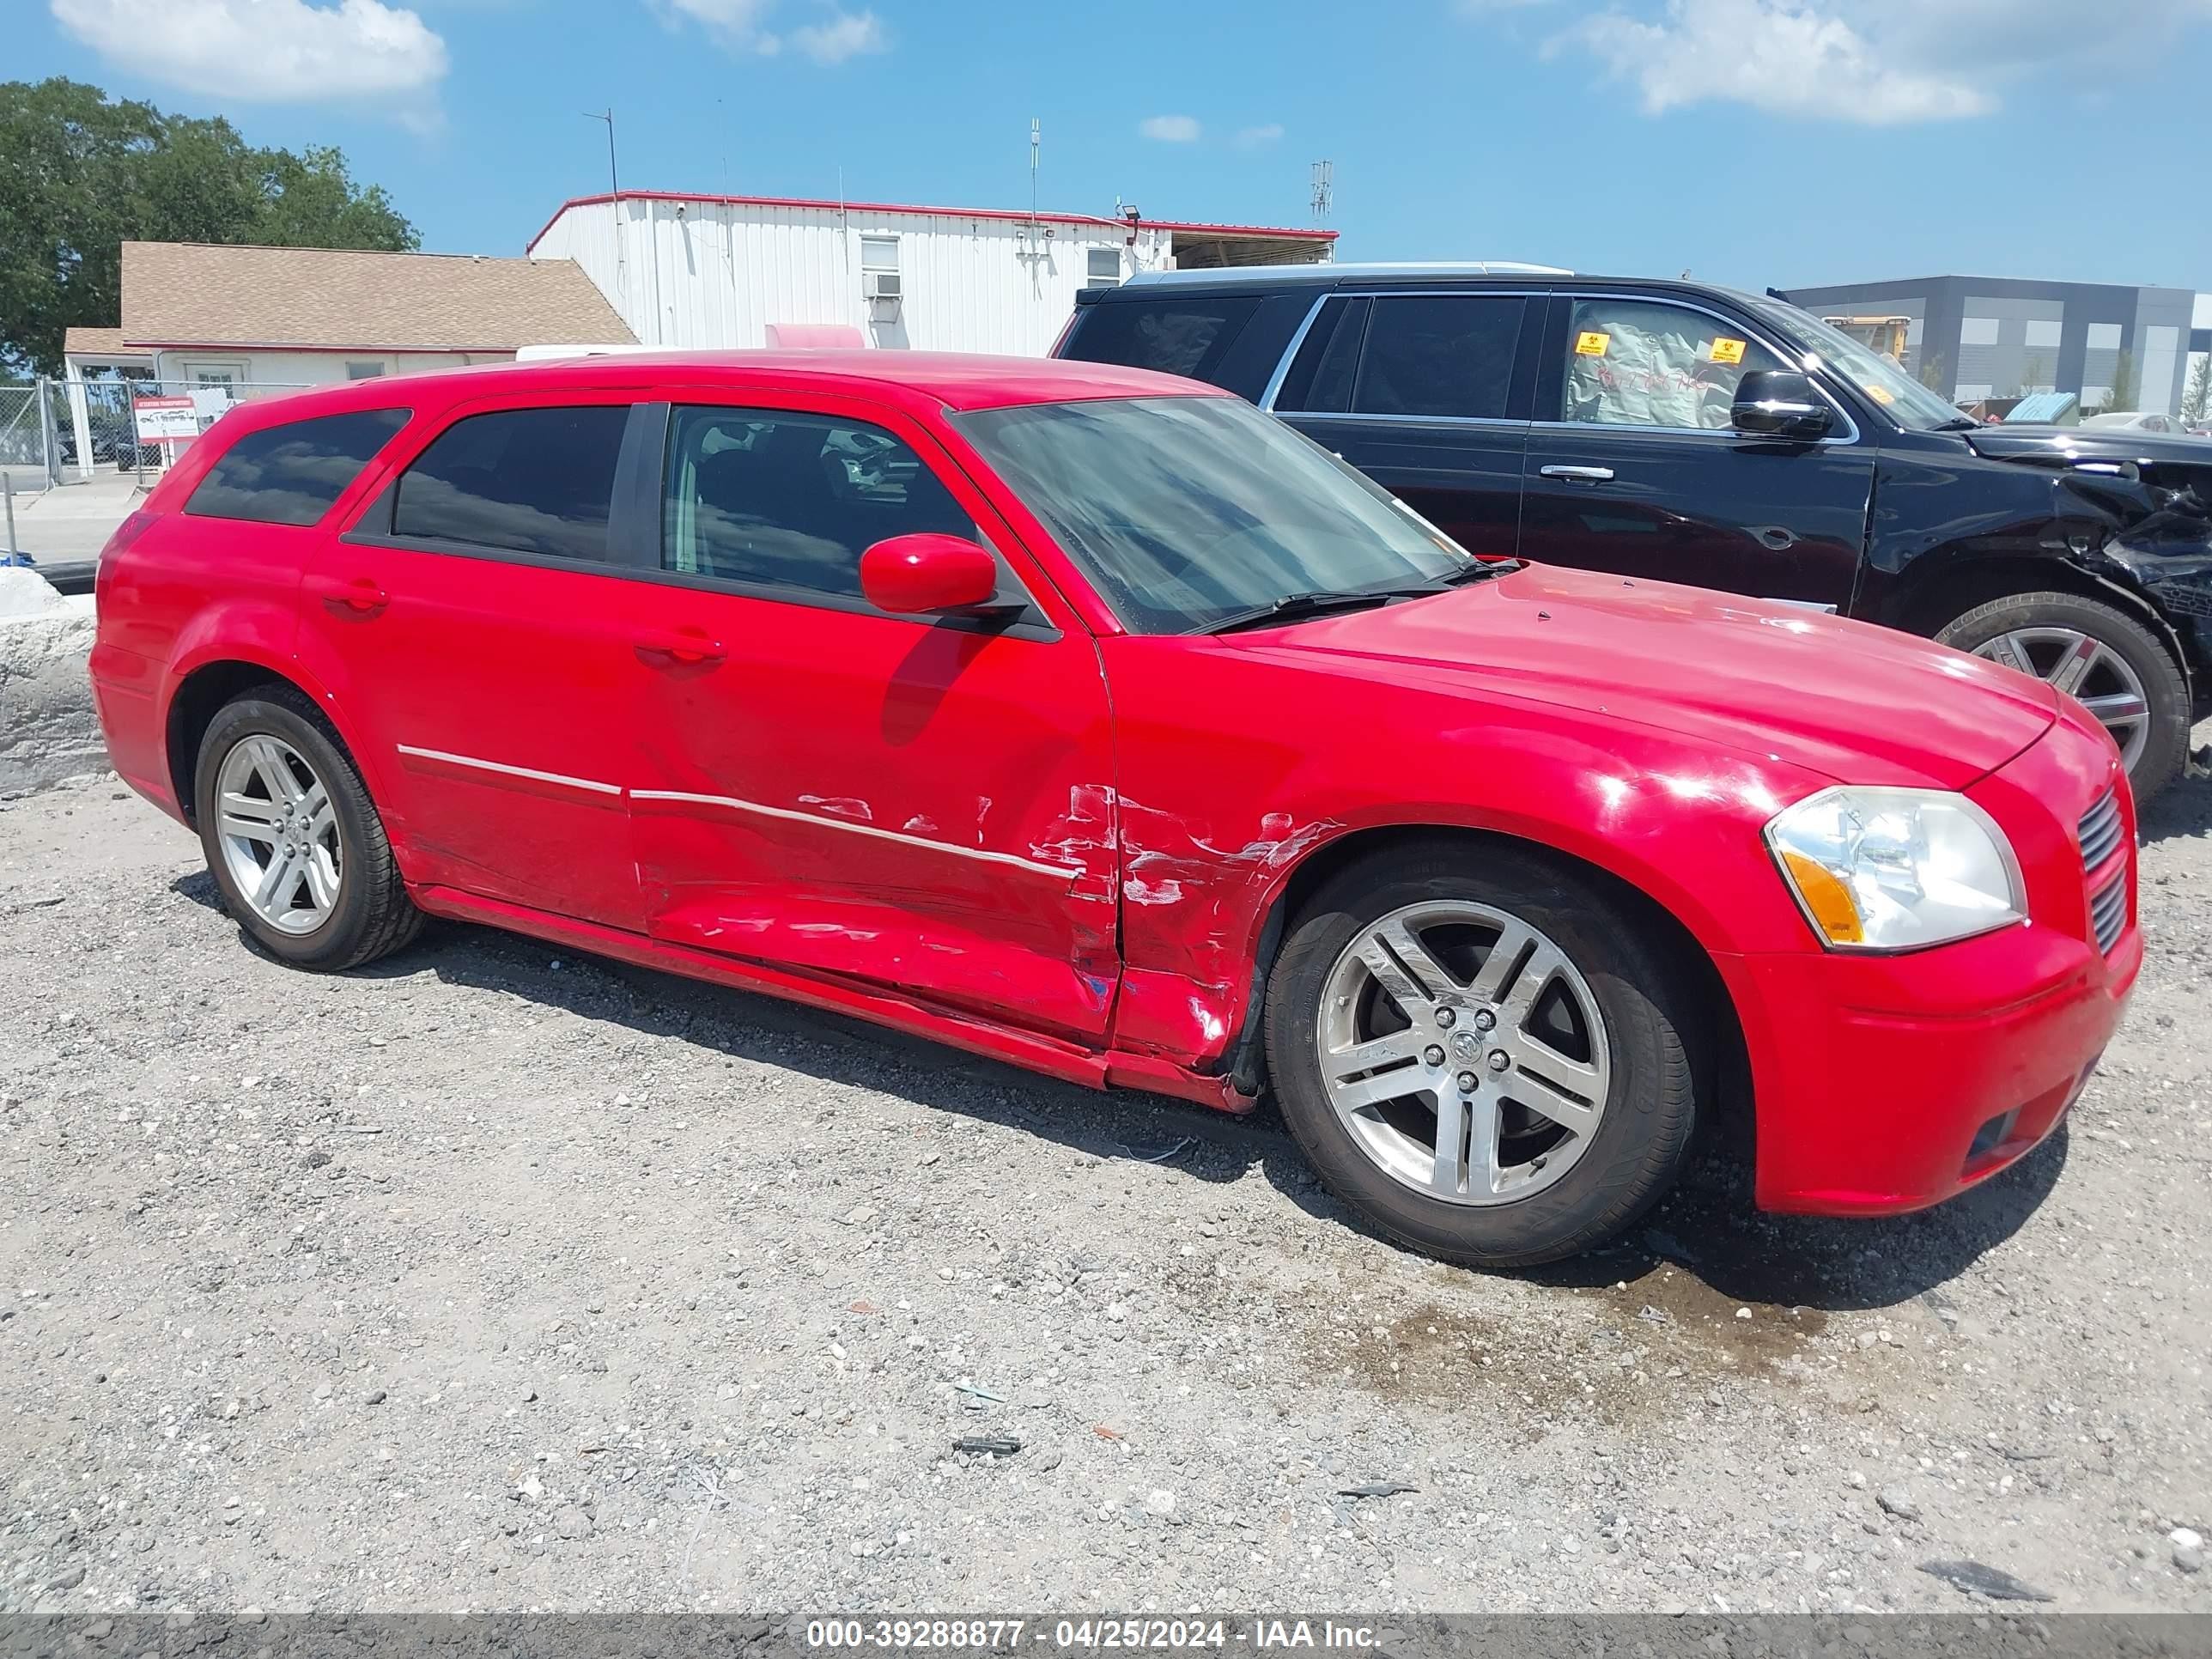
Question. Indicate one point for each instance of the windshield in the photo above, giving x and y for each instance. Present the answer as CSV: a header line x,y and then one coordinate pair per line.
x,y
1185,512
1902,398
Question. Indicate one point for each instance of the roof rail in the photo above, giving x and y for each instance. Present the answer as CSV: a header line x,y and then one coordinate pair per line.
x,y
1408,268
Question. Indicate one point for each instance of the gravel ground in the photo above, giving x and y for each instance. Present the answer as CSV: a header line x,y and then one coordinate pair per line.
x,y
491,1279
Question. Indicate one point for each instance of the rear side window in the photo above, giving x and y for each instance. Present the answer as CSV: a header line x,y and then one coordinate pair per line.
x,y
525,480
1439,355
1181,335
291,474
773,499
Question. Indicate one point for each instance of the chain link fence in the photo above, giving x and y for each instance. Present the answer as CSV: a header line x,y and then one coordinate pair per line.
x,y
140,426
27,457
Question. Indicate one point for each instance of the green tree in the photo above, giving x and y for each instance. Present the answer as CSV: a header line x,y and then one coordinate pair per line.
x,y
2122,394
80,175
2196,402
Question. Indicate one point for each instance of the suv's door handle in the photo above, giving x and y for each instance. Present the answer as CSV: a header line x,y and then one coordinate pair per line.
x,y
361,595
683,645
1579,474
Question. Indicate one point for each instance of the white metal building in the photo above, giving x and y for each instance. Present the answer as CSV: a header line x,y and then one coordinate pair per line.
x,y
749,270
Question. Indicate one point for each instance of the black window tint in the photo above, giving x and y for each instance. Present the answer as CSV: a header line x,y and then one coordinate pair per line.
x,y
529,480
290,474
779,500
1320,381
1175,337
1438,354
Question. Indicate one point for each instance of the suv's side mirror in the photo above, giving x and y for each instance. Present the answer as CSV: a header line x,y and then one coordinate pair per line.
x,y
1780,403
926,573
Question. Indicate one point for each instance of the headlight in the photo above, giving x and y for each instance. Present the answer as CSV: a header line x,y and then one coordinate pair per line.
x,y
1896,869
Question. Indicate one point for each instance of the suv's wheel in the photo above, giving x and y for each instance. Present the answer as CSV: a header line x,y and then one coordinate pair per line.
x,y
1481,1053
292,838
2118,669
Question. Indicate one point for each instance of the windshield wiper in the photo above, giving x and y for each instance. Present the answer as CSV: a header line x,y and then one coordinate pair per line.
x,y
1481,570
1318,602
1291,607
1957,423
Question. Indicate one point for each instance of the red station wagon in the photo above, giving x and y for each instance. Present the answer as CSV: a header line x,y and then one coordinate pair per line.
x,y
1089,719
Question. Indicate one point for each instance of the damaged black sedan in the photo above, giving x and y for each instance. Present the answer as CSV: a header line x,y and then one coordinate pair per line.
x,y
1685,433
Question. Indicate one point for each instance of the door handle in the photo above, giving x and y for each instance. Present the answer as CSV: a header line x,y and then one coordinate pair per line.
x,y
683,645
1579,474
361,595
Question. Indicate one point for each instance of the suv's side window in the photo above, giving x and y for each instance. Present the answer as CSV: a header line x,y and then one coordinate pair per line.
x,y
522,480
1188,336
1636,362
772,499
1438,354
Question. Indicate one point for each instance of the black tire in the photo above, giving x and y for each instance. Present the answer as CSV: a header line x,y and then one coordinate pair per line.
x,y
373,915
1649,1008
2166,689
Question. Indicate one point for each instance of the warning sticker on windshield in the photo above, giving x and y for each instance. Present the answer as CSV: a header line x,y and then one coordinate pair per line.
x,y
1726,350
1592,344
1880,394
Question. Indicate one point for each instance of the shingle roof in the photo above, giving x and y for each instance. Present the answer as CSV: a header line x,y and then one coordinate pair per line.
x,y
190,293
97,343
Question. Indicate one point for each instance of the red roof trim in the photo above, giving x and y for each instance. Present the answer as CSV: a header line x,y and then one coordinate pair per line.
x,y
1287,233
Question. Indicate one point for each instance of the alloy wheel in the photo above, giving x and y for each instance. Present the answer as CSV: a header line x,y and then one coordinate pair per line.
x,y
279,834
1463,1052
2086,669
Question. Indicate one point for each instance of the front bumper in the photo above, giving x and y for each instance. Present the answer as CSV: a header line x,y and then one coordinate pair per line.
x,y
1889,1083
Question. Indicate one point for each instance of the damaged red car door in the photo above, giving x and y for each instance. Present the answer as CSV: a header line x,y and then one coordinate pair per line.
x,y
921,801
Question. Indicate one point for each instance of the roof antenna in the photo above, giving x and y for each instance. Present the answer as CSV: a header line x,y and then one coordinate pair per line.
x,y
1324,190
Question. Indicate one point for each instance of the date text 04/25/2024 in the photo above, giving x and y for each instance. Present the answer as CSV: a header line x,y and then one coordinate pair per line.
x,y
1135,1634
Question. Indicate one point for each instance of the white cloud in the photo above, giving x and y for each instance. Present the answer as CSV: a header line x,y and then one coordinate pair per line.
x,y
740,26
846,35
263,51
735,23
1169,129
1780,56
1875,61
1259,137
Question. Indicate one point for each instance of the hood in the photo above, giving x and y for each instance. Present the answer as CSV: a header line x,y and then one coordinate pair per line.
x,y
2063,446
1858,703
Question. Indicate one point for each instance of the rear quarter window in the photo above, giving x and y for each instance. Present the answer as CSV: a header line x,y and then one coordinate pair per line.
x,y
291,474
1189,336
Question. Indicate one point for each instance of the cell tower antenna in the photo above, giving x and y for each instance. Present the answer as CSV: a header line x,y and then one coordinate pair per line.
x,y
1324,188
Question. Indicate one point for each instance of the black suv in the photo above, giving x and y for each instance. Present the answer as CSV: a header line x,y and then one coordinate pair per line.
x,y
1698,434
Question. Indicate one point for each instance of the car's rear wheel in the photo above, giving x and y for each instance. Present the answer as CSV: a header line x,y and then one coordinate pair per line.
x,y
1482,1052
2117,668
292,837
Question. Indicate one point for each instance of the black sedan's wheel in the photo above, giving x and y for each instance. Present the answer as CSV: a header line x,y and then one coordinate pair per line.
x,y
2118,669
292,838
1481,1053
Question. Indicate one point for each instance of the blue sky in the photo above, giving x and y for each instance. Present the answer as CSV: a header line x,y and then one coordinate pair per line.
x,y
1788,142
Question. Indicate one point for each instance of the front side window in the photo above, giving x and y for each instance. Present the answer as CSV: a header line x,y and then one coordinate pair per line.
x,y
772,499
1633,363
1187,337
1439,355
291,474
524,480
1182,511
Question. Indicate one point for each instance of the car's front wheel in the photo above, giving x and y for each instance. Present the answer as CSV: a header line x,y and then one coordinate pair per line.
x,y
2119,669
1482,1052
292,837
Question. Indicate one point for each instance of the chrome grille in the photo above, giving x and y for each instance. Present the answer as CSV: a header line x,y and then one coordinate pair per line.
x,y
2100,830
2108,910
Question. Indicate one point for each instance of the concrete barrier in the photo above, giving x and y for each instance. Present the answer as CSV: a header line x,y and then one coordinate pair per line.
x,y
47,730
